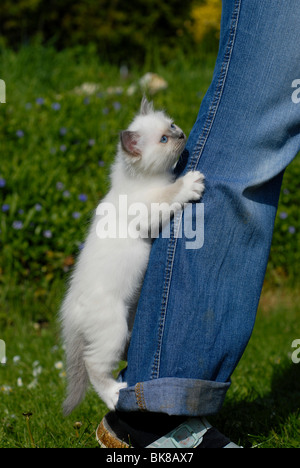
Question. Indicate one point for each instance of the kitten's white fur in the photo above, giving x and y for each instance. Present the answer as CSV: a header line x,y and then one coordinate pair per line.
x,y
109,272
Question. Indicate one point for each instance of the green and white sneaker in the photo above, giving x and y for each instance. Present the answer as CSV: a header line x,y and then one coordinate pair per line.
x,y
139,430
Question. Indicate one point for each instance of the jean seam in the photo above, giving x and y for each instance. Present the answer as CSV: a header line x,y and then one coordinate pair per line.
x,y
166,288
192,165
140,398
212,112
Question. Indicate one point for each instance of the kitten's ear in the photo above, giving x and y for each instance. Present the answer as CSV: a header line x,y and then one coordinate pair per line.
x,y
146,106
129,142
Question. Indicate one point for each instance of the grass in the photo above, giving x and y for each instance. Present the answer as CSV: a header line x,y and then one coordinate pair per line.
x,y
56,149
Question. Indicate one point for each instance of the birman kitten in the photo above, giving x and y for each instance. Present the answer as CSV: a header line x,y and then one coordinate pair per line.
x,y
110,269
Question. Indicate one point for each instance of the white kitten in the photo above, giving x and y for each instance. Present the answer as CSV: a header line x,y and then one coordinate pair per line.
x,y
110,269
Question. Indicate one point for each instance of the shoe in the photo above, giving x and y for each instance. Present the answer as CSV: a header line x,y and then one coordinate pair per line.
x,y
122,430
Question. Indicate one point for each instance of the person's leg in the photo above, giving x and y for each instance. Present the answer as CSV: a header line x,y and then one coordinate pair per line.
x,y
198,306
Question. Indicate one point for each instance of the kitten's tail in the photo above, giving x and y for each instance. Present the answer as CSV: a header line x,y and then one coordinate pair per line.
x,y
76,373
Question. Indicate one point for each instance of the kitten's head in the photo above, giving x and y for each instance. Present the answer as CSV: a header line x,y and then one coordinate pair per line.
x,y
152,143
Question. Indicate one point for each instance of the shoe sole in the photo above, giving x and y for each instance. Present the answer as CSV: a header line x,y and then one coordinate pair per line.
x,y
107,439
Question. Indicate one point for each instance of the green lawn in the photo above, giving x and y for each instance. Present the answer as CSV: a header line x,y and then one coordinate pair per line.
x,y
56,149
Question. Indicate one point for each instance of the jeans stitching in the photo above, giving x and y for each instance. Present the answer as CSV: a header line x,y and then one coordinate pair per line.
x,y
212,112
192,165
140,398
168,272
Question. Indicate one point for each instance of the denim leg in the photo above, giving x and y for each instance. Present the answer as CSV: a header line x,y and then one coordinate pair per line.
x,y
198,306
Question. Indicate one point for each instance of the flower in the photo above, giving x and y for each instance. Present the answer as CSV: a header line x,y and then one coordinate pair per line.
x,y
292,230
283,215
59,365
2,182
38,207
19,382
20,133
47,234
63,131
76,215
37,371
6,389
17,225
40,101
56,106
60,186
82,197
92,142
66,194
32,384
5,207
101,163
63,148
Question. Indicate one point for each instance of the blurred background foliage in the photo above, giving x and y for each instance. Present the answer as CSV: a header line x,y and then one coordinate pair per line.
x,y
123,31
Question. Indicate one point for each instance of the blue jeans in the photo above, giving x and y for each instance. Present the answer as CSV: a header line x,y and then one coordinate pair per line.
x,y
198,306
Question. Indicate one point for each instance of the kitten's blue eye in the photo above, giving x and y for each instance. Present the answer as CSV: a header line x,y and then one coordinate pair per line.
x,y
173,126
164,139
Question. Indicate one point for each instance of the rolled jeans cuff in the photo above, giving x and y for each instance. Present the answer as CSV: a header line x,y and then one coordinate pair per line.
x,y
174,396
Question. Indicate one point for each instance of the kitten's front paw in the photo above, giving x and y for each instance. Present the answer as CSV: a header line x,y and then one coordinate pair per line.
x,y
112,394
192,187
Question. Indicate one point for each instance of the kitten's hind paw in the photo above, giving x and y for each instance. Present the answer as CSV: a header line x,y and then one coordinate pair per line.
x,y
111,395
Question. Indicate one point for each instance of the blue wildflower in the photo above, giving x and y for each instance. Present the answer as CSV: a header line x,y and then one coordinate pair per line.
x,y
40,101
66,194
76,215
283,215
20,133
60,186
92,142
63,148
47,234
5,208
17,225
117,106
56,106
82,197
63,131
292,230
2,182
38,207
